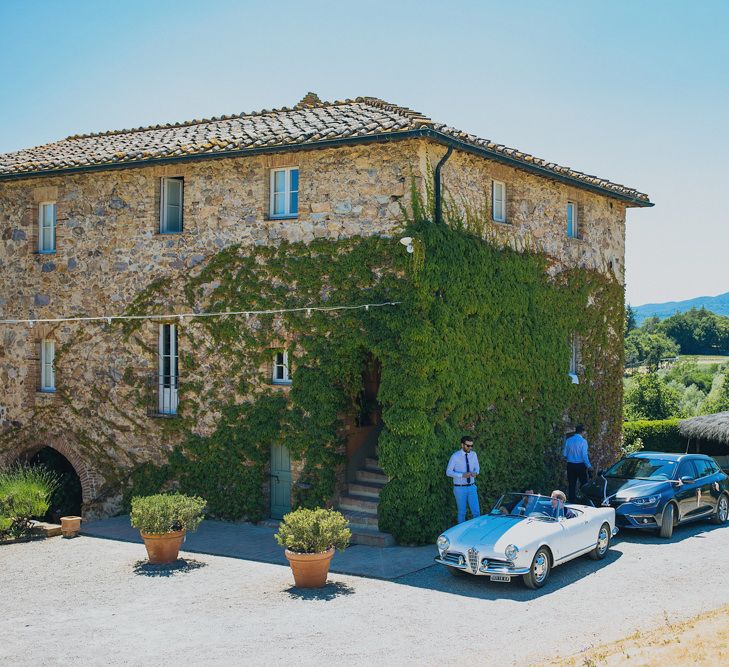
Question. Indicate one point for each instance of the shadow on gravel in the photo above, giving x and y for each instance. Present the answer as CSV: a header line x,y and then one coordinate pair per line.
x,y
332,589
180,566
698,529
439,579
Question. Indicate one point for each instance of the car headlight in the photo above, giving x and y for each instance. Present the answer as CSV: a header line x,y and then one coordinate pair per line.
x,y
443,543
648,500
512,551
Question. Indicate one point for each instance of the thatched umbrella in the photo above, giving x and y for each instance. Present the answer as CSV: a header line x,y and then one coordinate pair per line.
x,y
714,428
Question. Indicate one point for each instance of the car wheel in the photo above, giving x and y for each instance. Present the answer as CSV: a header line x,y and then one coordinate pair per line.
x,y
540,569
603,543
455,572
667,521
722,509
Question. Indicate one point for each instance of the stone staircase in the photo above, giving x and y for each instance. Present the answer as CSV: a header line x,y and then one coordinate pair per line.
x,y
359,505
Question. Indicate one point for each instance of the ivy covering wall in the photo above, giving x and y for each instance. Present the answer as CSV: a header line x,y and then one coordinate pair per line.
x,y
479,344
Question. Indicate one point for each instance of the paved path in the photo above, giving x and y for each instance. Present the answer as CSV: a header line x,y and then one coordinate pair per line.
x,y
93,601
244,540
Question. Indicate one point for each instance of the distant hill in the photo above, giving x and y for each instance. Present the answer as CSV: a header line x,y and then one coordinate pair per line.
x,y
716,304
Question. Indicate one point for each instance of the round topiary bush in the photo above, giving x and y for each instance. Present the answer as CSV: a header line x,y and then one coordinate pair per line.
x,y
308,531
164,513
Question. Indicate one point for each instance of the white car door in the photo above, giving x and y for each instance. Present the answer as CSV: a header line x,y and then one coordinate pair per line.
x,y
578,533
552,533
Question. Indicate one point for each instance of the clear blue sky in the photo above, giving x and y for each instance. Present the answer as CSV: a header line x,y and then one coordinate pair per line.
x,y
637,92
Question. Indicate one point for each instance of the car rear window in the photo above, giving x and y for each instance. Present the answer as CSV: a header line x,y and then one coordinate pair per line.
x,y
687,469
704,467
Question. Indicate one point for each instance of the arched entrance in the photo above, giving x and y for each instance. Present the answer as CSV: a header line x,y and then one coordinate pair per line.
x,y
89,479
67,498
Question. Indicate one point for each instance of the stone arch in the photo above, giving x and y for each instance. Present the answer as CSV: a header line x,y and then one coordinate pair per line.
x,y
91,480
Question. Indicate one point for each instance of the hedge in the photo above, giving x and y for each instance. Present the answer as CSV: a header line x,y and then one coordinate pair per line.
x,y
659,435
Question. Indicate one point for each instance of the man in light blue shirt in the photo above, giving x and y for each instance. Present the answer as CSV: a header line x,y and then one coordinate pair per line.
x,y
463,468
578,463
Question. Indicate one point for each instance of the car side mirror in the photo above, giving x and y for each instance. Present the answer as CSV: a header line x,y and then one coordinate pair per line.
x,y
686,479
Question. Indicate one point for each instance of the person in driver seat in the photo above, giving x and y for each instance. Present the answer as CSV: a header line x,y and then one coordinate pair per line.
x,y
559,498
526,504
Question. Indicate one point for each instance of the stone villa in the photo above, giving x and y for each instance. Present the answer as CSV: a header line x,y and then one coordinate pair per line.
x,y
88,222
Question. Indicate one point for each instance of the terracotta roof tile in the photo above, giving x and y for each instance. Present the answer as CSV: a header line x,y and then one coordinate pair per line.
x,y
309,122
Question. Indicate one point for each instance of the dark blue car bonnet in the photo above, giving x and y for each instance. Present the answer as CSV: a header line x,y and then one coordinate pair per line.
x,y
617,489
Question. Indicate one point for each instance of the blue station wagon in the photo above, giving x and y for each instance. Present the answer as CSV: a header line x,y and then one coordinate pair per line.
x,y
654,490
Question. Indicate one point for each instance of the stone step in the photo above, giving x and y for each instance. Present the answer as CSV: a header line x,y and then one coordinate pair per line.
x,y
367,475
47,529
359,520
359,504
373,464
371,537
369,490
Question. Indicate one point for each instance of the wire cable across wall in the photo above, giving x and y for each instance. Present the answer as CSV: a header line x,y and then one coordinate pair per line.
x,y
182,316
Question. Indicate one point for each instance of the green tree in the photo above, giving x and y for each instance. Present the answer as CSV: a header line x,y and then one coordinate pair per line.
x,y
630,323
642,347
691,401
651,324
698,331
719,401
650,397
689,373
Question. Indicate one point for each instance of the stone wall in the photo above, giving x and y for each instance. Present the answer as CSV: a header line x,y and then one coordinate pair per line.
x,y
536,211
109,249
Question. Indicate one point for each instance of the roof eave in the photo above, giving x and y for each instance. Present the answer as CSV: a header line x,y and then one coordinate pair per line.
x,y
533,168
424,132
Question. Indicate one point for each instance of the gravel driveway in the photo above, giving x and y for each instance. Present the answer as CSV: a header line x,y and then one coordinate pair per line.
x,y
95,602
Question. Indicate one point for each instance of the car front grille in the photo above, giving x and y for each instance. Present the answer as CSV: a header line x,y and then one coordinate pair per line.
x,y
473,559
455,558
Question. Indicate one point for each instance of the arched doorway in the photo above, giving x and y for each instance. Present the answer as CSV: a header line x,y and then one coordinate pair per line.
x,y
67,498
90,479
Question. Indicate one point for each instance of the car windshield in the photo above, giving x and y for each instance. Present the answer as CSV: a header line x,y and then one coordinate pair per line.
x,y
643,468
529,505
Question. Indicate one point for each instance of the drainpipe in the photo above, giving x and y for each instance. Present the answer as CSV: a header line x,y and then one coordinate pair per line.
x,y
436,186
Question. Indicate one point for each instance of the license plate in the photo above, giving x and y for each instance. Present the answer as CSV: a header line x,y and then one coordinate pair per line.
x,y
500,577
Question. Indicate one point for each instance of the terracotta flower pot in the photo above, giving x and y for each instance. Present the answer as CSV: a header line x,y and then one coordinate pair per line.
x,y
310,570
70,525
163,548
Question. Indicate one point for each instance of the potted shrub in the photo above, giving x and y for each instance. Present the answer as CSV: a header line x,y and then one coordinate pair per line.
x,y
163,520
310,538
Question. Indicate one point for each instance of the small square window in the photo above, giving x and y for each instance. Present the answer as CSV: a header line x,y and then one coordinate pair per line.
x,y
281,368
284,193
48,373
47,228
498,198
170,221
572,229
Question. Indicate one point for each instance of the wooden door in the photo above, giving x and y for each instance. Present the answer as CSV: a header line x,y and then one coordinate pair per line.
x,y
280,481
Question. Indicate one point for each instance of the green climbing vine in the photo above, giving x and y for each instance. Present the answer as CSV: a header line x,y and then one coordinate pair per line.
x,y
480,343
328,352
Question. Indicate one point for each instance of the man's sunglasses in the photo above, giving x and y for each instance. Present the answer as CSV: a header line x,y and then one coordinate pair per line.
x,y
469,446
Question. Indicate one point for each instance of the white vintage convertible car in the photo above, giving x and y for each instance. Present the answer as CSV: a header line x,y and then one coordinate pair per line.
x,y
526,535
